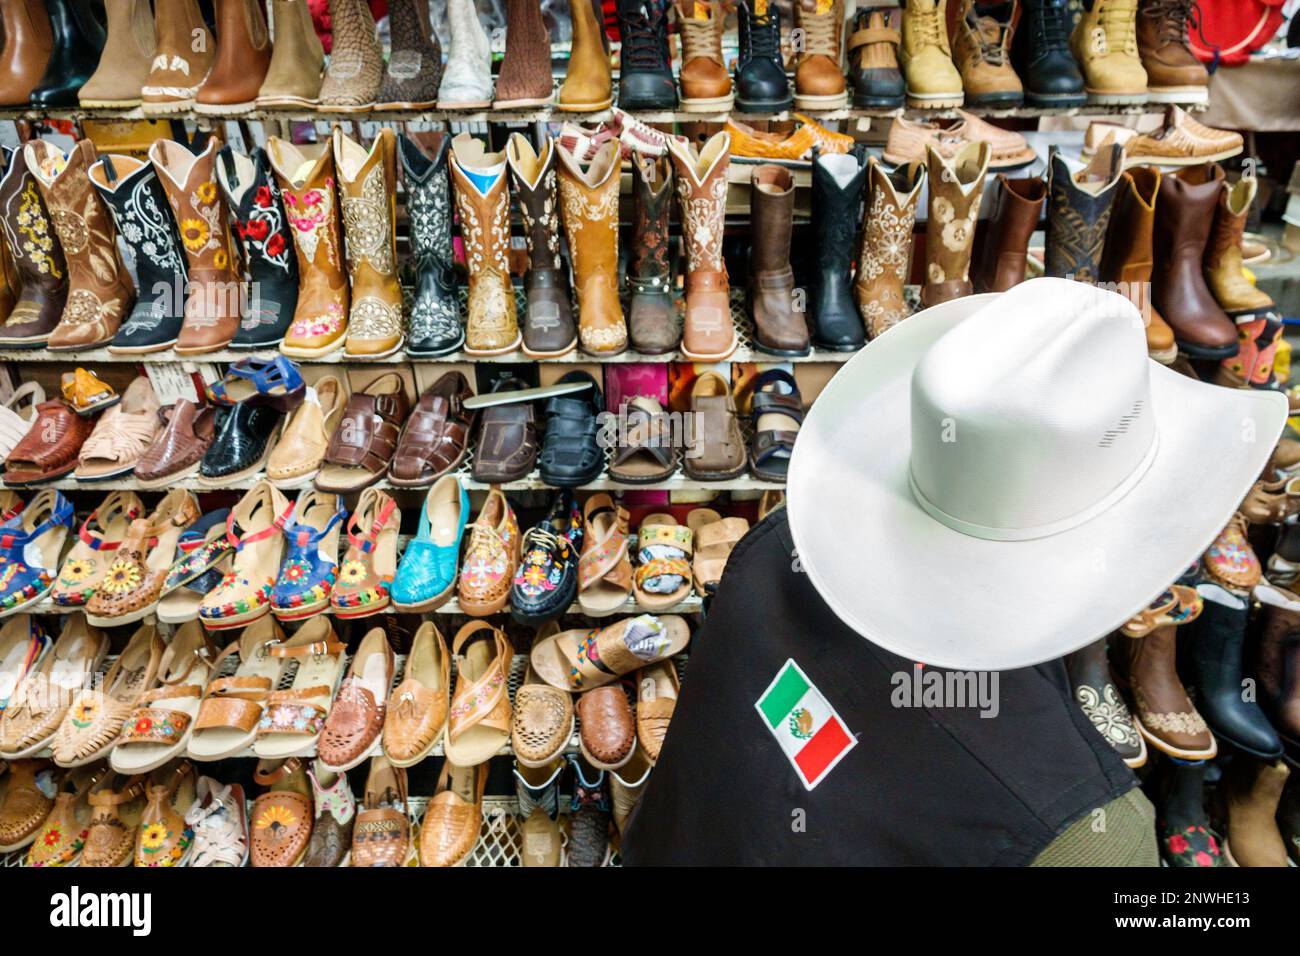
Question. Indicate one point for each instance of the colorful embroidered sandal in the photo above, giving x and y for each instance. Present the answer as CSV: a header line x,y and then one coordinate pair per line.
x,y
663,549
165,838
203,557
478,724
254,529
30,545
261,381
604,570
23,646
231,707
63,835
99,537
293,718
366,574
1176,605
310,567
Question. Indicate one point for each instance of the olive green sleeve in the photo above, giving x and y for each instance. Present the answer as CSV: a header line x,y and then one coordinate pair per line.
x,y
1121,833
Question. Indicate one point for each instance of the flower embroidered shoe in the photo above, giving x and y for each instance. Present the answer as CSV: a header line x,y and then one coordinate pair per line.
x,y
1094,691
220,824
231,707
97,542
253,527
450,828
546,582
62,836
23,646
417,708
30,545
426,576
663,573
435,326
490,558
122,434
296,458
478,724
131,587
310,566
336,809
165,838
116,804
356,719
1230,560
371,560
203,554
260,381
292,718
281,817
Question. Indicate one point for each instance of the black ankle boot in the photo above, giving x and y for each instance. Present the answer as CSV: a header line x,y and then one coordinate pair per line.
x,y
645,79
1181,825
262,231
1045,64
1088,670
435,327
761,84
1214,655
79,38
836,213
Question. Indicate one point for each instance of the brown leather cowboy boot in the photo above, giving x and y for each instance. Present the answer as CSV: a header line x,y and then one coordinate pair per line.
x,y
306,177
885,254
297,58
491,327
100,291
1126,254
243,58
525,78
28,43
707,334
956,187
1223,262
368,193
589,207
36,254
778,328
182,58
652,310
215,287
1276,660
124,64
1005,247
1252,790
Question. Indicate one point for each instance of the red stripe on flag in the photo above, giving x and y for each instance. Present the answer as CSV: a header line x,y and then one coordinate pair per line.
x,y
827,744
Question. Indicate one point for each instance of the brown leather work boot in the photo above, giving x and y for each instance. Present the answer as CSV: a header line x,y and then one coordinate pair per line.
x,y
243,58
819,82
704,80
1237,295
707,333
124,64
182,58
1126,258
779,328
652,309
525,78
589,207
956,187
1174,74
1016,210
36,254
28,43
884,257
297,58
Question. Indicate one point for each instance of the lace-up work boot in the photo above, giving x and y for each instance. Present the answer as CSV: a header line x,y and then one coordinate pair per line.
x,y
1047,69
761,85
1104,42
1174,75
982,51
646,78
932,80
819,76
706,85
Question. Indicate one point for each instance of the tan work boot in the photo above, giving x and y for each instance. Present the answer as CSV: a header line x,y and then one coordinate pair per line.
x,y
1104,42
124,64
932,80
982,51
589,208
182,58
1235,294
956,187
588,84
297,58
704,80
1174,74
819,82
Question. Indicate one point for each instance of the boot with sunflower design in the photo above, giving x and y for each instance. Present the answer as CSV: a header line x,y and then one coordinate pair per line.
x,y
214,292
956,187
165,838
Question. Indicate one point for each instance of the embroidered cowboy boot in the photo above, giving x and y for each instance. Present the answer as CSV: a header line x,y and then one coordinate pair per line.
x,y
181,60
320,318
100,291
415,64
779,328
435,327
838,180
885,255
1078,212
589,206
1126,255
124,64
28,41
548,319
652,310
37,257
1005,245
368,192
297,58
79,38
525,79
242,59
356,62
1223,268
483,203
215,289
819,82
133,194
956,187
707,333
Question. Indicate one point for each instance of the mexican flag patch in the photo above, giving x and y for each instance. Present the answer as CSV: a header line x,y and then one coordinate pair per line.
x,y
804,724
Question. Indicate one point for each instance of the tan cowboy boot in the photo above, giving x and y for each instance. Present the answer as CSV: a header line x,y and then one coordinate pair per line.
x,y
297,58
884,258
182,58
588,84
242,59
956,187
124,64
356,63
1235,294
368,193
589,207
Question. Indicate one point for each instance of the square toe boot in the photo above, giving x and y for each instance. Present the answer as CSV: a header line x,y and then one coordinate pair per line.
x,y
35,253
481,186
1174,74
652,309
885,254
1126,258
1236,295
414,67
243,58
707,332
356,63
956,187
182,59
435,327
549,331
589,209
1078,213
368,193
79,40
307,183
588,83
525,78
294,75
779,328
1005,248
838,183
705,82
467,80
1252,791
124,64
25,52
1185,209
819,82
216,288
100,291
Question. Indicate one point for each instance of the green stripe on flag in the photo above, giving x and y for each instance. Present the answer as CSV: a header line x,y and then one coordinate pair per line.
x,y
783,695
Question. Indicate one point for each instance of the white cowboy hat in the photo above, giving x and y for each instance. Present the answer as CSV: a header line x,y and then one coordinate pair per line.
x,y
1002,479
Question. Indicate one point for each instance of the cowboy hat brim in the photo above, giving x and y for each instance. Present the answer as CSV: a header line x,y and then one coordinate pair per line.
x,y
934,595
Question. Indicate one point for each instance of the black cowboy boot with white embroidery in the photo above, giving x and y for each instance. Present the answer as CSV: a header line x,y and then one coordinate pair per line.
x,y
435,326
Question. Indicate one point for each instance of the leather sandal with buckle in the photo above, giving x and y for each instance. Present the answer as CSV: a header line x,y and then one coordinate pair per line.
x,y
292,718
777,416
231,707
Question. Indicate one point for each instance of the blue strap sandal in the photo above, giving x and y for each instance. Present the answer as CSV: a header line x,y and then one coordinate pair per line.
x,y
261,381
30,545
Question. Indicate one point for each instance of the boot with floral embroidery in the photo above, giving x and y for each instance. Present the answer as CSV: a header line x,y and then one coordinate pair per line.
x,y
956,187
885,255
1181,824
37,257
589,207
435,327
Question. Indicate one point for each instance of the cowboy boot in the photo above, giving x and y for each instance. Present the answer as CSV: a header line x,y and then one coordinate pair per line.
x,y
761,84
1252,791
320,318
9,288
1104,42
1088,672
1126,255
819,82
1047,68
884,258
133,194
525,79
124,64
262,233
1174,74
1276,661
540,834
1078,213
956,187
706,85
212,307
415,64
873,61
37,257
548,320
483,204
589,207
652,312
467,80
1236,294
838,180
1181,823
25,53
79,39
297,58
435,327
981,47
933,82
1163,712
100,291
368,193
182,58
1185,209
1005,246
588,84
779,328
707,333
645,79
1252,366
242,60
356,62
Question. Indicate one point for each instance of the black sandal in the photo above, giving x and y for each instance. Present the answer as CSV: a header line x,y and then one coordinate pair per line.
x,y
777,416
571,454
